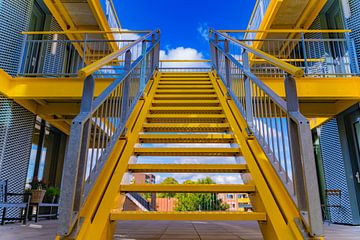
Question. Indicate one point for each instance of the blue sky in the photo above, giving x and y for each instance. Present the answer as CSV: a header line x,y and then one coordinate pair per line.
x,y
184,23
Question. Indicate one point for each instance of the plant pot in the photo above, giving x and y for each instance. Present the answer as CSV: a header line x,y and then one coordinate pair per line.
x,y
37,195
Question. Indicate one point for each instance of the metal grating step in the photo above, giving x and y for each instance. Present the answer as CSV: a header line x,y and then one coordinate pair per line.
x,y
188,168
168,151
186,138
186,127
185,97
118,214
186,118
186,103
186,110
186,188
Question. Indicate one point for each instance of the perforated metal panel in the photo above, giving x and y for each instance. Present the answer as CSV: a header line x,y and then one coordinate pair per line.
x,y
353,23
14,18
53,63
16,130
334,170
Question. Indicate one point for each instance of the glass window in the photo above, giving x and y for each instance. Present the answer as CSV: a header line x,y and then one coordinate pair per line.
x,y
230,196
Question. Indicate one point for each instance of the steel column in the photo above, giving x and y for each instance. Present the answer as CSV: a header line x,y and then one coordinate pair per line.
x,y
143,67
75,162
125,96
227,64
303,161
247,86
304,52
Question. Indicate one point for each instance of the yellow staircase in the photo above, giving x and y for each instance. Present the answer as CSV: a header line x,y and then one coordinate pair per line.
x,y
192,117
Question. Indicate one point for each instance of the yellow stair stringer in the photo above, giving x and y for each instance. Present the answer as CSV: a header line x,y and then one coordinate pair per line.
x,y
104,196
272,196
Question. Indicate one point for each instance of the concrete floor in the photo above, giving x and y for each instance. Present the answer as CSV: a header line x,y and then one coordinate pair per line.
x,y
45,230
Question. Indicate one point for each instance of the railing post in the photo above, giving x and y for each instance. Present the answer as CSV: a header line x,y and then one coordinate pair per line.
x,y
22,61
125,91
303,162
73,178
84,51
227,64
248,92
153,53
143,67
304,53
216,44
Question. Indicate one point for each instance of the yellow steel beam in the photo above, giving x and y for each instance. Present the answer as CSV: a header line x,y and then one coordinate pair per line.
x,y
179,82
59,109
186,138
316,122
117,215
188,188
325,109
29,88
153,151
346,88
187,168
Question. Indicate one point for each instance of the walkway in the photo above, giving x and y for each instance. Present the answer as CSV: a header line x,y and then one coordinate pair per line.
x,y
170,230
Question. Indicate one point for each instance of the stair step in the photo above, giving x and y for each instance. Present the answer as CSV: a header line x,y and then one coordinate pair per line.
x,y
185,97
186,127
185,103
186,138
161,83
189,109
185,91
185,118
187,188
207,86
188,168
179,151
119,215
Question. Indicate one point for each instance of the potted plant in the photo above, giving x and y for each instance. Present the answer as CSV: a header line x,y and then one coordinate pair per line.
x,y
52,194
38,190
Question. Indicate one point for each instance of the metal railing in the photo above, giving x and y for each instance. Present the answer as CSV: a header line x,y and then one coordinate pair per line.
x,y
184,65
257,17
320,53
279,127
53,54
111,14
101,121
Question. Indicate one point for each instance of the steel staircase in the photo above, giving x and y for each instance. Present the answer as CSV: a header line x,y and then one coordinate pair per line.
x,y
182,123
224,112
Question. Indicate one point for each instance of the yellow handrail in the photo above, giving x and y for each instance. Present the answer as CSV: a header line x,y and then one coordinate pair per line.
x,y
295,71
91,68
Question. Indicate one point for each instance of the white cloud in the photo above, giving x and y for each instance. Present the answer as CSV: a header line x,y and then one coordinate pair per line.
x,y
182,53
203,29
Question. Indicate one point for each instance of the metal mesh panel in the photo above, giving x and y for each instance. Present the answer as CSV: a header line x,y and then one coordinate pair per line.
x,y
16,129
334,170
353,23
14,18
50,58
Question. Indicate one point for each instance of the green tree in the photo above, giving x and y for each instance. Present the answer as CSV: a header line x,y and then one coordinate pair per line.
x,y
199,201
168,180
